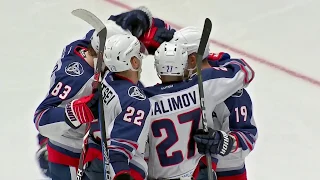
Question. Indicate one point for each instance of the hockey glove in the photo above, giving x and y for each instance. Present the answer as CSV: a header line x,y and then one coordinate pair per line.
x,y
213,142
42,156
83,110
156,36
214,58
137,21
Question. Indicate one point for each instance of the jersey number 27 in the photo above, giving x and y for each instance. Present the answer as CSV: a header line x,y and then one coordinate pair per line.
x,y
168,125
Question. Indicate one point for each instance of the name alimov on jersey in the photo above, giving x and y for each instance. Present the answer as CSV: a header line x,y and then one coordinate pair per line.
x,y
176,115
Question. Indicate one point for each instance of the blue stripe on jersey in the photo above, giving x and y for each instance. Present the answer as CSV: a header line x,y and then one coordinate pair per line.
x,y
63,151
123,145
242,142
207,74
53,115
232,173
118,161
137,169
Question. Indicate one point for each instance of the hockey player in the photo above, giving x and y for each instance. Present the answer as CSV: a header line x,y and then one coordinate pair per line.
x,y
176,113
127,113
71,79
233,116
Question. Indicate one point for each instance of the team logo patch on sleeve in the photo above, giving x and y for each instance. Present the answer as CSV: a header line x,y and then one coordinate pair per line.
x,y
136,93
238,93
74,69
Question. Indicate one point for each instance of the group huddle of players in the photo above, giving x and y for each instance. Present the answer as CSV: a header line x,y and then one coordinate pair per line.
x,y
152,132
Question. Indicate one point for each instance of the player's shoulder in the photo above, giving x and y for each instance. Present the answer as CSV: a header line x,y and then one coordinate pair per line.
x,y
81,42
127,93
239,98
176,87
213,73
72,68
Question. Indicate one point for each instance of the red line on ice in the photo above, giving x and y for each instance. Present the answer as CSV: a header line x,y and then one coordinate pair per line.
x,y
241,52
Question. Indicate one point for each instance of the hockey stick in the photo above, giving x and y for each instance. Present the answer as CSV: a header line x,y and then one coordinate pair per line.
x,y
202,46
99,26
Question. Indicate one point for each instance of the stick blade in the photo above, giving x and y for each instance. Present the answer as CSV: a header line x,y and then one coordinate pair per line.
x,y
90,18
205,36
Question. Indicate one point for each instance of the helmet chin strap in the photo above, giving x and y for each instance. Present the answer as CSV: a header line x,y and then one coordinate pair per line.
x,y
139,70
190,71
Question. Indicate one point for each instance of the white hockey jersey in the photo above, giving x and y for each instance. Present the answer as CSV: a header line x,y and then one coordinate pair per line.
x,y
176,115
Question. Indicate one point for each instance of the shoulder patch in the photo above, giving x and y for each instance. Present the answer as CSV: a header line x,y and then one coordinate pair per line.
x,y
136,93
74,69
238,93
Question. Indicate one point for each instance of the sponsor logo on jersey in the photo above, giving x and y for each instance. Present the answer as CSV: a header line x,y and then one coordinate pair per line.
x,y
167,87
225,143
136,93
74,69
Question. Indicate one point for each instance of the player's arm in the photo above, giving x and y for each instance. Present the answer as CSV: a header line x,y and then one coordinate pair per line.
x,y
242,125
230,76
50,118
128,134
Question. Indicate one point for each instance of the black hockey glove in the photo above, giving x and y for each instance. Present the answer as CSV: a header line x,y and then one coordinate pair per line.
x,y
42,156
156,36
137,21
213,142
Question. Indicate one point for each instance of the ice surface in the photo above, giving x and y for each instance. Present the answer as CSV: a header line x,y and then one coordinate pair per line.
x,y
285,32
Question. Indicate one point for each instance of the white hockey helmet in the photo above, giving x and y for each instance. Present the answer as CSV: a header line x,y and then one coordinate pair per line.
x,y
190,37
119,50
112,29
171,59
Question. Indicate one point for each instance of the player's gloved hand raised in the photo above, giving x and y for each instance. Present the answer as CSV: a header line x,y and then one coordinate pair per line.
x,y
218,56
83,110
213,142
213,58
137,21
156,36
42,156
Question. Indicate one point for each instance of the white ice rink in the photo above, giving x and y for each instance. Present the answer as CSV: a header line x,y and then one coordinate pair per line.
x,y
279,38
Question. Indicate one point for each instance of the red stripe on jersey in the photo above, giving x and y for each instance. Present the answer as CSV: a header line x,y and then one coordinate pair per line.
x,y
59,158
